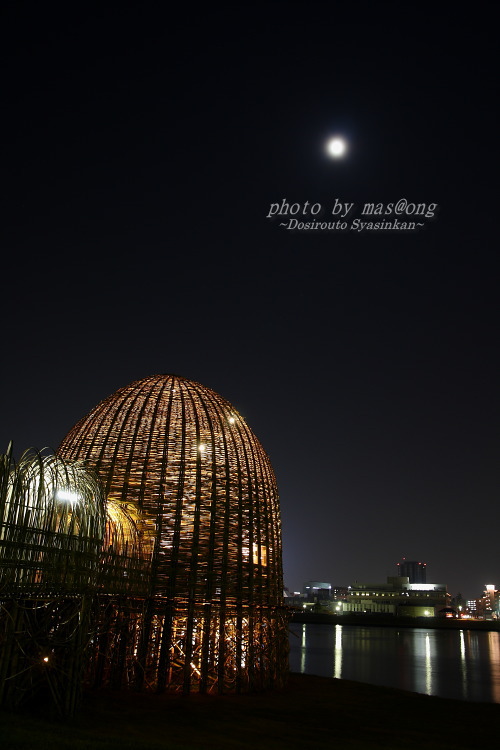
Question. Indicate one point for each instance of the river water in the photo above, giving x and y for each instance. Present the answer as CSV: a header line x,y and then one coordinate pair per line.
x,y
461,664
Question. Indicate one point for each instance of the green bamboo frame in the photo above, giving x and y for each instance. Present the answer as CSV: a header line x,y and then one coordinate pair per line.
x,y
52,522
61,548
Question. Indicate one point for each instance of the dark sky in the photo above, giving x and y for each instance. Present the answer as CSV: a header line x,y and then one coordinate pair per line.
x,y
142,149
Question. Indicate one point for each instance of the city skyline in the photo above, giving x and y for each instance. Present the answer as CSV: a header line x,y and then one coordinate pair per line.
x,y
477,594
367,580
146,162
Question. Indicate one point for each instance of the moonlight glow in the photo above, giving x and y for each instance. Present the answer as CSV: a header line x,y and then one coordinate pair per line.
x,y
336,147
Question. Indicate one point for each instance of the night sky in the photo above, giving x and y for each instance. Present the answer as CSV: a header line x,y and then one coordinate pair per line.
x,y
142,150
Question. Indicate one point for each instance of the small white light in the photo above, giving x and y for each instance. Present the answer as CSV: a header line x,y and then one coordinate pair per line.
x,y
231,420
67,497
201,448
45,658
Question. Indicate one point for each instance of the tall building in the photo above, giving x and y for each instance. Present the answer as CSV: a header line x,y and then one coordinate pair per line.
x,y
414,571
203,492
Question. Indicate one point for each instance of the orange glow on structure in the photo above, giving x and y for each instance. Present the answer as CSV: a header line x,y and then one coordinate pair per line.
x,y
202,493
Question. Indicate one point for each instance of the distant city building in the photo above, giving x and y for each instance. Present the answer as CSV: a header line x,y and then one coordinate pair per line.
x,y
317,590
492,599
486,607
318,596
398,596
414,571
340,593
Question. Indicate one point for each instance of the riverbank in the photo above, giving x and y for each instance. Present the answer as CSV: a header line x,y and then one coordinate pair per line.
x,y
395,622
311,712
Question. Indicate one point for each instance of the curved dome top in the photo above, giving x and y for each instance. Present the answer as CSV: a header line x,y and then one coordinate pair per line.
x,y
183,455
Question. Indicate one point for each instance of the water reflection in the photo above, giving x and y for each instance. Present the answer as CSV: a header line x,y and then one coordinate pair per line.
x,y
463,662
337,672
303,649
450,663
428,666
493,639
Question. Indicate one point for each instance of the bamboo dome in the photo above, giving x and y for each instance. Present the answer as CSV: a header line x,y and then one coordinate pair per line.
x,y
52,525
182,459
52,521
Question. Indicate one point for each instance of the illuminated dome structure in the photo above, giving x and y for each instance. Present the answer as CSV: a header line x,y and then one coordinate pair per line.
x,y
52,526
180,458
52,522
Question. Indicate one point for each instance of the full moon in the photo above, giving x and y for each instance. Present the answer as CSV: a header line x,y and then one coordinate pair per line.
x,y
336,147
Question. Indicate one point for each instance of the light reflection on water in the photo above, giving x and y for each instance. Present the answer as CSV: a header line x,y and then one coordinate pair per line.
x,y
461,664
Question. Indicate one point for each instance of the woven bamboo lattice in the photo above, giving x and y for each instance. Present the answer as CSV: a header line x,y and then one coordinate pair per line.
x,y
52,522
59,546
211,617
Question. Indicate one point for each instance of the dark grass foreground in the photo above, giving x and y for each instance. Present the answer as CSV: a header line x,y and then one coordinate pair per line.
x,y
312,712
